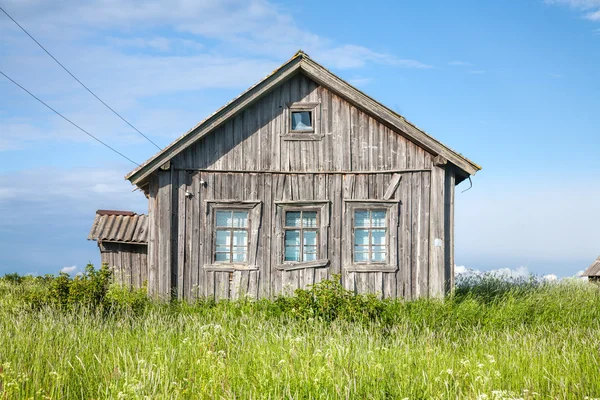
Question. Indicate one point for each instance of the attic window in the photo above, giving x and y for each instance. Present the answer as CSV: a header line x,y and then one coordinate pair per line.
x,y
302,121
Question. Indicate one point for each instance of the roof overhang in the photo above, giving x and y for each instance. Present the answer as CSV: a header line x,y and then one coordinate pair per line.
x,y
301,62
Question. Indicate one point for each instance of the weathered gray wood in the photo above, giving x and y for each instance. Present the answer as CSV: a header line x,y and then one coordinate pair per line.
x,y
392,186
449,185
358,160
437,247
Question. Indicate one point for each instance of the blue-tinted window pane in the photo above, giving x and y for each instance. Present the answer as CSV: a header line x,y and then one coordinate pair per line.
x,y
292,253
361,257
240,238
292,218
378,257
378,236
239,257
223,238
378,218
301,120
310,256
224,218
361,237
292,238
223,249
361,218
222,257
361,249
379,249
310,238
240,219
309,219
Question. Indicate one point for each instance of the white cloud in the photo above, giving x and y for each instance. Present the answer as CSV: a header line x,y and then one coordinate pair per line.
x,y
593,16
68,270
458,63
591,7
359,81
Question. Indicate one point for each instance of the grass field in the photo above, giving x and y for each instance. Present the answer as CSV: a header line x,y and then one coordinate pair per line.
x,y
492,340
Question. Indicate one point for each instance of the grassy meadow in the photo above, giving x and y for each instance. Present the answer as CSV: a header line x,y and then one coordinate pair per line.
x,y
78,339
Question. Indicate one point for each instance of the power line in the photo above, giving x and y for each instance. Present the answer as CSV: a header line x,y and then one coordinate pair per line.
x,y
81,83
69,121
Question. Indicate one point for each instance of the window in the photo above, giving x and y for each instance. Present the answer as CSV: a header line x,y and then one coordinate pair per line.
x,y
302,121
301,236
302,231
370,232
231,236
371,229
231,231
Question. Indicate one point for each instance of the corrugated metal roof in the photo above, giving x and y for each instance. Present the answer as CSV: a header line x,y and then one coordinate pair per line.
x,y
594,269
119,226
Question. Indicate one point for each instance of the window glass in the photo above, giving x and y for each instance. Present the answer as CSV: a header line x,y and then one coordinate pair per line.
x,y
301,236
301,120
231,236
293,218
309,219
370,240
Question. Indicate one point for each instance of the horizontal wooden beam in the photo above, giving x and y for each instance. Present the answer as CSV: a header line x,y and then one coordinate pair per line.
x,y
264,171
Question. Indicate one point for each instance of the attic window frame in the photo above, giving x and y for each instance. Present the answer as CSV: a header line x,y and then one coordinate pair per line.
x,y
314,133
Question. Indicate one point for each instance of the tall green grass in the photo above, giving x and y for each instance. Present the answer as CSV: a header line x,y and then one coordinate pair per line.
x,y
492,340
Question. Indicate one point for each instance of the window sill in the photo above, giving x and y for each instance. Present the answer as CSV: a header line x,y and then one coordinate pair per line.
x,y
230,267
302,136
292,266
371,268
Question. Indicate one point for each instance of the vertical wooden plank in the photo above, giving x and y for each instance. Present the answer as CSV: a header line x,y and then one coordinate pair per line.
x,y
337,215
425,230
164,234
253,280
181,239
153,275
376,283
264,286
349,281
221,285
437,246
450,183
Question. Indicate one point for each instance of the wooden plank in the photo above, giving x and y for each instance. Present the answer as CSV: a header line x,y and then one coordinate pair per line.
x,y
436,260
221,285
181,239
449,231
392,186
253,281
425,230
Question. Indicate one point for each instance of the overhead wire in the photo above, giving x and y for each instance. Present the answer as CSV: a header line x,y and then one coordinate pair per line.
x,y
68,120
81,83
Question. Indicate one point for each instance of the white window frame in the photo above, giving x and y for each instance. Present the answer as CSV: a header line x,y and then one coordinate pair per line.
x,y
391,263
314,133
322,209
254,222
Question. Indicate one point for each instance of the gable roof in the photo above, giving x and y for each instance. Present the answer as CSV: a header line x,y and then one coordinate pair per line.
x,y
119,226
302,62
594,269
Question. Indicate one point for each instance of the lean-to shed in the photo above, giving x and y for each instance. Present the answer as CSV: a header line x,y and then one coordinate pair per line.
x,y
122,240
301,177
593,271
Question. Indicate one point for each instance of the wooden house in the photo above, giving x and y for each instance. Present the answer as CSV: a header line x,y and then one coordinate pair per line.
x,y
123,244
301,177
593,271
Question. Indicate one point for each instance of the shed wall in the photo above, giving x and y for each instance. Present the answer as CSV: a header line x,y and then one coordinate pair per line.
x,y
129,262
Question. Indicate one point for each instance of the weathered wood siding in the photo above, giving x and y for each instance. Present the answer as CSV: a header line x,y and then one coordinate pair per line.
x,y
129,262
247,158
252,140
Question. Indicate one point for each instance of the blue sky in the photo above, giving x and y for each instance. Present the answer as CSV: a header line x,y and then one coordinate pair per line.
x,y
513,85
